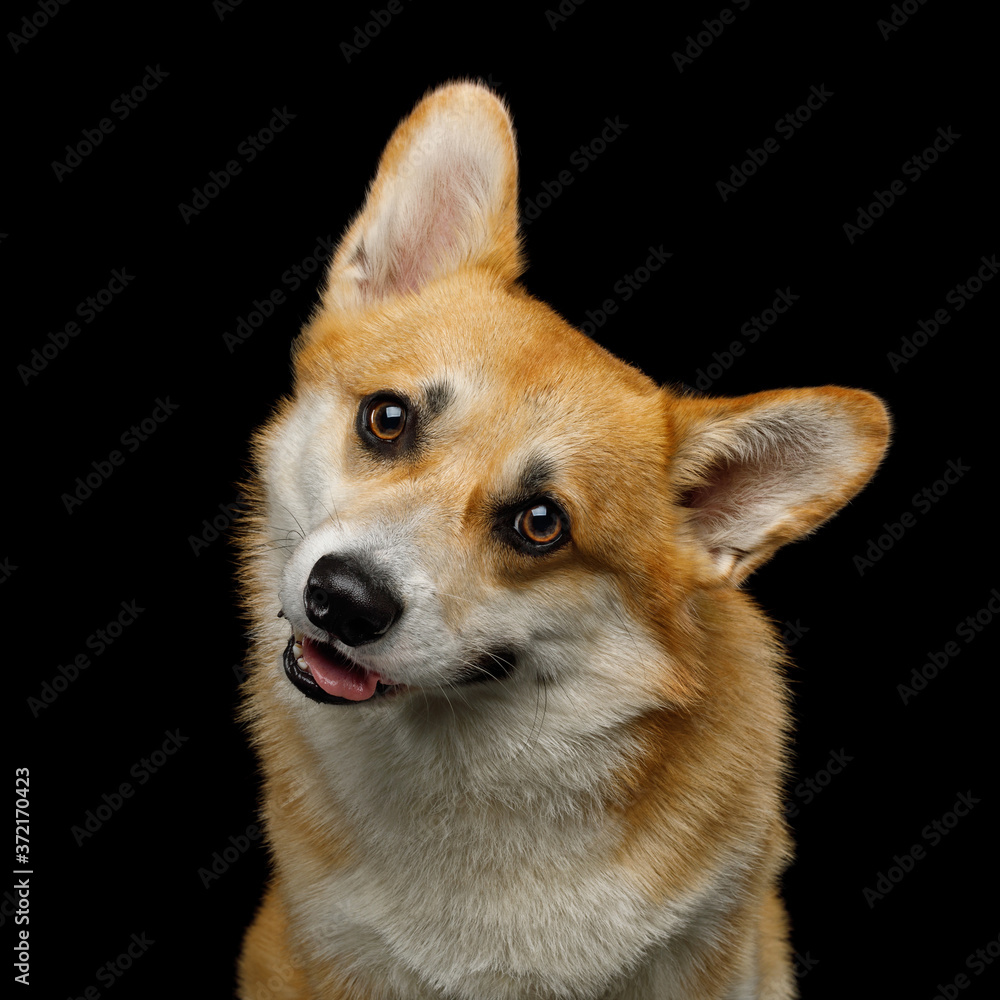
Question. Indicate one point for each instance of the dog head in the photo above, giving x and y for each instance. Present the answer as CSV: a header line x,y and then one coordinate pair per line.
x,y
466,501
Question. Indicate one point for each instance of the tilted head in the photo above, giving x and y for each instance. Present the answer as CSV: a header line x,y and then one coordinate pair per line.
x,y
466,501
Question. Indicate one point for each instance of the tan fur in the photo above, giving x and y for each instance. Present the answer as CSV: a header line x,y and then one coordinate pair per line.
x,y
268,967
643,768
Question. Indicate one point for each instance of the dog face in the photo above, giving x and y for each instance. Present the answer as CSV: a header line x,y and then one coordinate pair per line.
x,y
448,465
466,496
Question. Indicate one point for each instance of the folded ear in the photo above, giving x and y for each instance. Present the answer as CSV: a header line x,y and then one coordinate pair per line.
x,y
758,471
444,197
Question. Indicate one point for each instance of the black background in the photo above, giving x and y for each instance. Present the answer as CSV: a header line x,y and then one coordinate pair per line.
x,y
176,667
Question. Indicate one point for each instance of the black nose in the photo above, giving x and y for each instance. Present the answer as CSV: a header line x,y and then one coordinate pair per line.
x,y
349,602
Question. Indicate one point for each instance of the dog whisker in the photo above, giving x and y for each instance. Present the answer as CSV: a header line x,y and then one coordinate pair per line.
x,y
291,514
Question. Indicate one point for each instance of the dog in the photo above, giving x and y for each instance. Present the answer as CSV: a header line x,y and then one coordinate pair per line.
x,y
521,732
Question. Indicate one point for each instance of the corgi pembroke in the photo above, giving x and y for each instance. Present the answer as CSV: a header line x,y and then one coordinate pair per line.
x,y
522,734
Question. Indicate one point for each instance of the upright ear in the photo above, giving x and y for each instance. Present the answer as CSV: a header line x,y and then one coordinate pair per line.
x,y
758,471
444,197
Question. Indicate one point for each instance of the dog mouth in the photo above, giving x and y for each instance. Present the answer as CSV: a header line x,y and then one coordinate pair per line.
x,y
324,674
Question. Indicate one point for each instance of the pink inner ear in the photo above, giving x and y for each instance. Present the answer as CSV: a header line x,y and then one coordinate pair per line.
x,y
741,501
770,471
728,490
710,496
431,240
432,225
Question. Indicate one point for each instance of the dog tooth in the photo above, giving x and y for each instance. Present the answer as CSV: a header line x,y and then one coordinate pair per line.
x,y
297,651
301,664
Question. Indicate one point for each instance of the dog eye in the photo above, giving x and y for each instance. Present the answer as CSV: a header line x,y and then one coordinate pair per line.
x,y
386,419
542,524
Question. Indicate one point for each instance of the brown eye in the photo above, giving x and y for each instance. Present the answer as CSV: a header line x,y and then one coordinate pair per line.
x,y
541,524
387,419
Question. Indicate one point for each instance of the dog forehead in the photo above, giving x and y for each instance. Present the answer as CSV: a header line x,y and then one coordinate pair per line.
x,y
468,341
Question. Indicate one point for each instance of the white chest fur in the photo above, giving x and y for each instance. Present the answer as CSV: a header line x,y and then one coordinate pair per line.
x,y
480,879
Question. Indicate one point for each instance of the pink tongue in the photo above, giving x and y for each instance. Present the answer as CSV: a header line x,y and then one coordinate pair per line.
x,y
336,677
